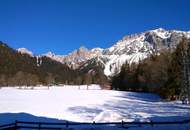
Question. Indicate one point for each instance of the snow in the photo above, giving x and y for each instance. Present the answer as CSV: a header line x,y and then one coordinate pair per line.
x,y
131,49
188,34
107,70
96,51
25,51
58,58
162,33
106,116
76,103
113,66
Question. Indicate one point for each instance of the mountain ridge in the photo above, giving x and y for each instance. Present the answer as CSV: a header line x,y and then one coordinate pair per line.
x,y
131,48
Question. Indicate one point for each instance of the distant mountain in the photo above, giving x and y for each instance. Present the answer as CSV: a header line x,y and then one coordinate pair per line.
x,y
76,58
25,51
59,58
131,48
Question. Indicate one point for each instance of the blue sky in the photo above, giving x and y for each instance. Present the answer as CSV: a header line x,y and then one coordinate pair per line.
x,y
64,25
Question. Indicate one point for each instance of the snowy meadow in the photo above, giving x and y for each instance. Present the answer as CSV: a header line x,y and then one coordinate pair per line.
x,y
77,104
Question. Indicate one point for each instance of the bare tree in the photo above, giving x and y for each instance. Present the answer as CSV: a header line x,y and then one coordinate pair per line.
x,y
3,80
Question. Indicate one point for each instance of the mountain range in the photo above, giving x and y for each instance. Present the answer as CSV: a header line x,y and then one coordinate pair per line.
x,y
131,49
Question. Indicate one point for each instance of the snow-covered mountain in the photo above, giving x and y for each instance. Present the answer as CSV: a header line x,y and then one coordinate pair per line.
x,y
136,47
131,48
77,57
25,51
59,58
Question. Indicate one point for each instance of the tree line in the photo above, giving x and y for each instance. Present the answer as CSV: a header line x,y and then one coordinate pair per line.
x,y
18,69
160,73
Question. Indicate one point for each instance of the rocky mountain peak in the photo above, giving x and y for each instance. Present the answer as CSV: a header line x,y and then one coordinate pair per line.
x,y
82,49
49,54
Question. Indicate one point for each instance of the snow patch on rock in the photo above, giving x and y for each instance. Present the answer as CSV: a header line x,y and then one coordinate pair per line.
x,y
25,51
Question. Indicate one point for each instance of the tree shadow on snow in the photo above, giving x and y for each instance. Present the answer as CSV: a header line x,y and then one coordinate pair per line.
x,y
148,97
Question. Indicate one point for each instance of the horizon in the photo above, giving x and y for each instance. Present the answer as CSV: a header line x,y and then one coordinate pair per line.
x,y
63,26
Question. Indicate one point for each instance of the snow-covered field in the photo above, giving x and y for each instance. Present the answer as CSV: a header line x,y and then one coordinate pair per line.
x,y
81,105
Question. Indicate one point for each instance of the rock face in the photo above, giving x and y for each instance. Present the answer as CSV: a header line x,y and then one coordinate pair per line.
x,y
130,49
76,58
59,58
